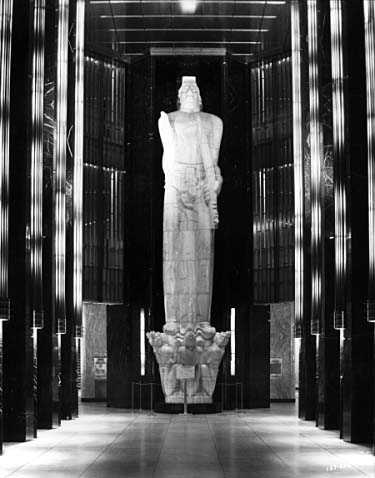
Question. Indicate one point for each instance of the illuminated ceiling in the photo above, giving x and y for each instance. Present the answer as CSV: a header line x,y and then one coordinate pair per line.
x,y
243,27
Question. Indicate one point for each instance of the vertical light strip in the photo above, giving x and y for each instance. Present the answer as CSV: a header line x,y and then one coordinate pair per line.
x,y
233,341
6,16
78,166
338,117
36,173
142,341
316,153
60,162
369,11
298,165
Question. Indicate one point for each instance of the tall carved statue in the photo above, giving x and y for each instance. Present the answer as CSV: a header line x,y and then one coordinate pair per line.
x,y
189,345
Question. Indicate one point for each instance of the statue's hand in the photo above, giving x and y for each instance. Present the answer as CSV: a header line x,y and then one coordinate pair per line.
x,y
218,184
165,129
164,120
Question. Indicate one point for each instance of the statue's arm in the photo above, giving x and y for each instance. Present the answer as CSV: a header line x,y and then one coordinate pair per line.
x,y
216,136
167,139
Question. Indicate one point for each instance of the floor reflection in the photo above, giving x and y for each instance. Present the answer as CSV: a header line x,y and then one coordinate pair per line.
x,y
113,443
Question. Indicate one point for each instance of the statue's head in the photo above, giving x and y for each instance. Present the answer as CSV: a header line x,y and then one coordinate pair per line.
x,y
188,95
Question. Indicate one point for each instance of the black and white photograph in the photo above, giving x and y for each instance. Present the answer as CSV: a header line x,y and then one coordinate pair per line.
x,y
187,238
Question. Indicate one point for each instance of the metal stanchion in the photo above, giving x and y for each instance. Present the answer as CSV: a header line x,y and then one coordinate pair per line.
x,y
238,394
185,398
132,397
151,393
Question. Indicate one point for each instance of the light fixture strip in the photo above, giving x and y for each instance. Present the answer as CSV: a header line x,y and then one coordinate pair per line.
x,y
142,336
257,17
232,30
36,173
171,42
233,341
60,162
298,165
316,154
78,164
369,11
6,18
338,117
230,2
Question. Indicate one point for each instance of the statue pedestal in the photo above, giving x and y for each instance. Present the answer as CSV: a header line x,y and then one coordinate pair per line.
x,y
190,358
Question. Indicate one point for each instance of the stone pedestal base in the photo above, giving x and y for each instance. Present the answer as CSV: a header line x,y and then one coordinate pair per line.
x,y
199,351
194,399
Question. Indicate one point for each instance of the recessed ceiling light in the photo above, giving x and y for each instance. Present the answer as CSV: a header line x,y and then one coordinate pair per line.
x,y
189,6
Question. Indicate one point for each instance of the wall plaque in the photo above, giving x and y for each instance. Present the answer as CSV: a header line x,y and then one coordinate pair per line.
x,y
100,368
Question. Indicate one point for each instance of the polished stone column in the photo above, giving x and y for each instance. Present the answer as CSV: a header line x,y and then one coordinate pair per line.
x,y
351,182
49,344
6,16
19,404
74,194
369,18
328,339
233,271
302,178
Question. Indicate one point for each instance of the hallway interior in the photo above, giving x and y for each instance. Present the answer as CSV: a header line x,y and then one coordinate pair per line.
x,y
257,443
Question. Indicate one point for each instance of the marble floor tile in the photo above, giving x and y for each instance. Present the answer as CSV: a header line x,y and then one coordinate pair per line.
x,y
113,443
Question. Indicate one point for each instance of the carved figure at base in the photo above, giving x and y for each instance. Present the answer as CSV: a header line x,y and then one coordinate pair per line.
x,y
191,141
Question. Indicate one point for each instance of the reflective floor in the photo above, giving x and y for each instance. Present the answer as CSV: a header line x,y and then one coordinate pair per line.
x,y
114,443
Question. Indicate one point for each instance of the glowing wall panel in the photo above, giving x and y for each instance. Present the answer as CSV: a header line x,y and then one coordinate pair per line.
x,y
272,180
78,166
298,165
339,158
60,164
104,179
36,168
369,11
316,155
6,11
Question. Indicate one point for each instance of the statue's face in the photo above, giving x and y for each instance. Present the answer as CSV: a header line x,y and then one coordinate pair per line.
x,y
189,96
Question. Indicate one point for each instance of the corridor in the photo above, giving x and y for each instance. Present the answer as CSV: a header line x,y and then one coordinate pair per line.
x,y
113,443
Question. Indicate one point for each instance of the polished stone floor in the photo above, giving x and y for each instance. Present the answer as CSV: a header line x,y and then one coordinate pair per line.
x,y
114,443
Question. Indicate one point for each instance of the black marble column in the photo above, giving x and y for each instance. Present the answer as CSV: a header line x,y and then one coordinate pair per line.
x,y
232,287
19,406
48,346
369,19
357,365
6,11
307,357
69,391
328,348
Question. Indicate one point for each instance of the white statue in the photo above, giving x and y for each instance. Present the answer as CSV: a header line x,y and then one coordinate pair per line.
x,y
191,141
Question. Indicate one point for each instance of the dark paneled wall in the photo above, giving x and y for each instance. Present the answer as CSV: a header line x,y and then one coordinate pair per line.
x,y
104,179
272,180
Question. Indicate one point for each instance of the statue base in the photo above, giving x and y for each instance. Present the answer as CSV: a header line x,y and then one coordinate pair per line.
x,y
190,356
194,409
192,399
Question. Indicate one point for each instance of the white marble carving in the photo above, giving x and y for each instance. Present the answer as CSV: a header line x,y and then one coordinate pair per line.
x,y
191,141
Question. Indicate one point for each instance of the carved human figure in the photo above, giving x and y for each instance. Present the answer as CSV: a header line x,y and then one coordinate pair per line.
x,y
191,141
